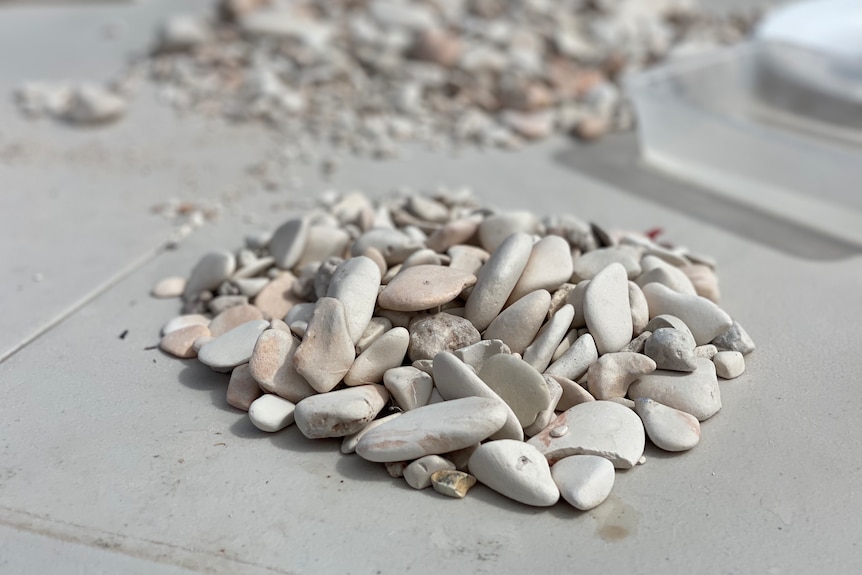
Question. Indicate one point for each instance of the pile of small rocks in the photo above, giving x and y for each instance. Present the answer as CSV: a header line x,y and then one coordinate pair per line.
x,y
455,344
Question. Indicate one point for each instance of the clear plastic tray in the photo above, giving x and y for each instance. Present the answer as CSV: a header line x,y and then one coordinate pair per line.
x,y
743,122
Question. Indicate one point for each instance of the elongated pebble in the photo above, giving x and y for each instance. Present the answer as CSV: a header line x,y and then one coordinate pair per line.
x,y
182,321
271,366
355,283
200,342
232,348
288,242
327,350
594,428
607,310
386,352
515,469
696,393
452,483
584,481
729,364
408,386
668,428
169,287
591,263
242,389
233,317
518,324
433,430
180,343
210,271
271,413
496,280
541,350
348,444
424,287
637,344
418,473
564,346
577,359
340,413
705,319
548,267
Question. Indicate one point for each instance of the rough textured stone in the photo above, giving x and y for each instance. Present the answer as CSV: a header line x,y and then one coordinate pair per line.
x,y
340,413
429,335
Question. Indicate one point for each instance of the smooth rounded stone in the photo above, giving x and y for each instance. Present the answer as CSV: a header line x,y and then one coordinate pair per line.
x,y
607,310
427,209
639,309
454,379
591,263
374,255
327,351
271,366
242,389
249,287
573,393
222,303
169,287
342,412
254,268
300,312
637,344
496,279
276,298
667,320
696,393
233,317
433,429
668,276
734,339
452,483
271,413
496,228
424,287
200,342
390,274
409,387
707,350
576,299
418,473
429,335
288,242
394,245
355,283
541,351
668,428
613,373
584,481
467,258
555,392
518,324
672,349
386,352
729,364
423,257
705,319
232,348
210,271
182,321
348,444
564,346
577,359
376,328
322,243
704,280
475,355
517,470
518,384
180,342
452,234
548,267
600,428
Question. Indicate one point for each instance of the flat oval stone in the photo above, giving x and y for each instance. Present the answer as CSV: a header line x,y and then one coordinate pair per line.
x,y
418,473
549,267
495,229
475,355
424,287
288,242
327,351
433,429
585,481
729,364
210,271
696,393
518,384
232,348
600,428
518,325
271,413
453,379
672,349
233,317
355,283
540,352
410,387
577,359
242,389
517,470
496,280
169,287
606,309
276,298
613,373
385,353
429,335
705,319
340,413
668,428
182,321
588,265
271,366
180,342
